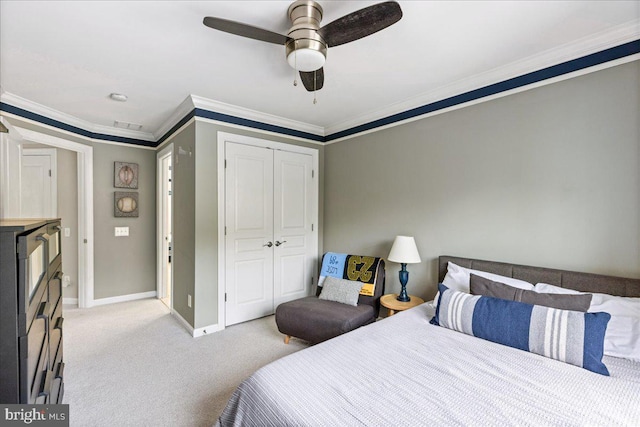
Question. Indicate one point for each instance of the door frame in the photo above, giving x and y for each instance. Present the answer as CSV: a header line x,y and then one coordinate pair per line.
x,y
223,137
53,155
160,156
85,207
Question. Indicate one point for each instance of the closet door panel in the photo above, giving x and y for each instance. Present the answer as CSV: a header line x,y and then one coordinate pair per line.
x,y
249,239
294,204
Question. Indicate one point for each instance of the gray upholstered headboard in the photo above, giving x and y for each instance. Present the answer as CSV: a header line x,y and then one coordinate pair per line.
x,y
585,282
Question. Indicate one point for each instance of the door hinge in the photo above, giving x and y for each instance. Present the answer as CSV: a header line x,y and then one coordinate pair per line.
x,y
312,280
311,227
86,241
225,297
225,163
312,173
225,230
49,172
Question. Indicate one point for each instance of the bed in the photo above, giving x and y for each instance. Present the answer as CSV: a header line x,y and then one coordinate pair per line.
x,y
404,371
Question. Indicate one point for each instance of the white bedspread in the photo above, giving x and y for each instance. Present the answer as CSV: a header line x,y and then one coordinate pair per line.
x,y
402,371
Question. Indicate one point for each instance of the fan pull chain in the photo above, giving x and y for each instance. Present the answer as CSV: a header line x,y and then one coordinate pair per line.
x,y
315,101
295,62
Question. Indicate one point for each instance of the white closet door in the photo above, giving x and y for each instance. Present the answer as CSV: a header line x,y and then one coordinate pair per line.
x,y
36,192
249,223
295,246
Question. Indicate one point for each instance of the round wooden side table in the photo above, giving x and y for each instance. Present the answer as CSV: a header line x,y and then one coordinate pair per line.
x,y
390,301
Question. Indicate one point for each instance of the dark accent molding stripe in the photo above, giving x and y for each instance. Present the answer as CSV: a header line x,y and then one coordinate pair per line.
x,y
257,125
177,126
591,60
587,61
73,129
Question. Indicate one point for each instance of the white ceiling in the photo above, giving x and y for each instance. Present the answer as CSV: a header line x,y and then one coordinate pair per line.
x,y
69,56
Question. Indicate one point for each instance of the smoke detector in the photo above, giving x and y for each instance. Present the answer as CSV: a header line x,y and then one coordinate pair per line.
x,y
119,97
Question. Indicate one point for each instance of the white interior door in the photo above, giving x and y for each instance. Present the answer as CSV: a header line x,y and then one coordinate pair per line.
x,y
294,238
38,186
249,232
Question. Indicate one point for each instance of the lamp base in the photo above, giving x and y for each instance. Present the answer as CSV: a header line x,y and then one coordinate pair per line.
x,y
403,296
404,278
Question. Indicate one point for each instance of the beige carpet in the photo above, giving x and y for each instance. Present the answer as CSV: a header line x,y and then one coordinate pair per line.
x,y
133,364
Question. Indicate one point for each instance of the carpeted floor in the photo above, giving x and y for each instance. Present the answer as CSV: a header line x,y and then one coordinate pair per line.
x,y
133,364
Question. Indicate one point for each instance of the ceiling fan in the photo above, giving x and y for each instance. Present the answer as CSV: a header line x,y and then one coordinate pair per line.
x,y
306,43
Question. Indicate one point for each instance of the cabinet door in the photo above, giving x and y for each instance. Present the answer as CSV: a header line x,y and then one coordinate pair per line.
x,y
294,206
249,239
32,274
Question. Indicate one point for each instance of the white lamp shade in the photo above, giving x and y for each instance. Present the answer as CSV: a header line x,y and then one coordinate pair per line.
x,y
404,251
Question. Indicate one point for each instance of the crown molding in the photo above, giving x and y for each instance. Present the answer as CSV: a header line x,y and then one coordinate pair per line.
x,y
259,116
70,120
612,37
242,117
181,111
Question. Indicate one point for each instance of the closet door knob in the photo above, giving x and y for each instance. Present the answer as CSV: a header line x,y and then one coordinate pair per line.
x,y
278,243
269,244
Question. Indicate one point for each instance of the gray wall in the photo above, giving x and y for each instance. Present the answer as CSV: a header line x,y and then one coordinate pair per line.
x,y
547,177
195,232
183,214
68,212
206,241
122,265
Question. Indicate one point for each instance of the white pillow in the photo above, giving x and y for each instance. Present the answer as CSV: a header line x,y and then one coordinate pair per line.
x,y
457,278
622,338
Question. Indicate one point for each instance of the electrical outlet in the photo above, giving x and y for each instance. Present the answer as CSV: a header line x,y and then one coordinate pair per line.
x,y
67,232
189,301
66,281
121,231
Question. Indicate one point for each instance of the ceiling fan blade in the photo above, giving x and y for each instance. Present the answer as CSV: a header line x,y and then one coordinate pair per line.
x,y
309,77
245,30
361,23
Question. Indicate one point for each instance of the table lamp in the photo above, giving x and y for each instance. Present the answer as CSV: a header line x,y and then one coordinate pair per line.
x,y
404,251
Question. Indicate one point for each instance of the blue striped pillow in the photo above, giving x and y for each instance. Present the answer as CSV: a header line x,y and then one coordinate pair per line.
x,y
569,336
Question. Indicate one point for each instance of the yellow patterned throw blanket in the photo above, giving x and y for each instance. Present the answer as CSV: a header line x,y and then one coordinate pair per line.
x,y
351,267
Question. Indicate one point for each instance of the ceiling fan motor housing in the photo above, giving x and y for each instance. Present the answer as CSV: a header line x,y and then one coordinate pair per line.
x,y
306,51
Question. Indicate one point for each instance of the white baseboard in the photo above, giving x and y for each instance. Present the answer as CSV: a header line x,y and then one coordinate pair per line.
x,y
196,332
123,298
206,330
69,301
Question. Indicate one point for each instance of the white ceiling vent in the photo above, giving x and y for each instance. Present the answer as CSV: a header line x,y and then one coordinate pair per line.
x,y
126,125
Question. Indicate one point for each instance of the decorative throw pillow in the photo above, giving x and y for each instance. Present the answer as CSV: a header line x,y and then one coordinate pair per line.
x,y
341,290
458,278
489,288
623,332
568,336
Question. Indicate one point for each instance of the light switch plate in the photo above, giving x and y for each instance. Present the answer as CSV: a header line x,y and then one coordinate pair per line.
x,y
121,231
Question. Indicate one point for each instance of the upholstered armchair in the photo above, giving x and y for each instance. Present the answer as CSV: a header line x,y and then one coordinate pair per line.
x,y
315,320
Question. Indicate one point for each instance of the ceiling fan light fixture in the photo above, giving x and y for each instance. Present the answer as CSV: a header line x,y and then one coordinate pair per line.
x,y
306,59
306,54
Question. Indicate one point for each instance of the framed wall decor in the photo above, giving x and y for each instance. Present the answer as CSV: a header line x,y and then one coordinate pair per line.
x,y
126,204
125,175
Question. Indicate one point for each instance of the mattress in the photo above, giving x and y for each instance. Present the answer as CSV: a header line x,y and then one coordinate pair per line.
x,y
403,371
